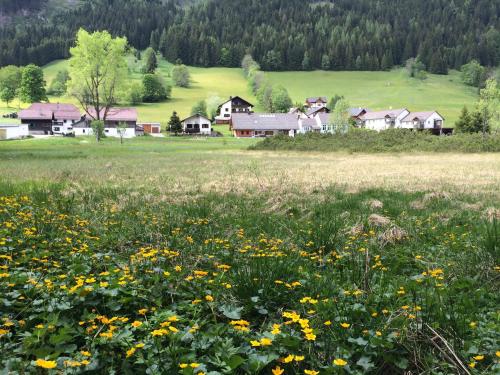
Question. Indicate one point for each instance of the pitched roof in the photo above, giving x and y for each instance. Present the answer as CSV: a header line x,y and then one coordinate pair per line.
x,y
231,98
313,111
383,114
311,122
316,99
117,114
355,112
323,117
197,115
265,121
422,116
47,111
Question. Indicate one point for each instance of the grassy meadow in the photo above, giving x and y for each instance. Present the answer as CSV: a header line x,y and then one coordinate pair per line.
x,y
375,90
197,256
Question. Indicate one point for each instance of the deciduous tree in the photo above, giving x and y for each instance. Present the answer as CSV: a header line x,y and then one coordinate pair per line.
x,y
97,70
32,87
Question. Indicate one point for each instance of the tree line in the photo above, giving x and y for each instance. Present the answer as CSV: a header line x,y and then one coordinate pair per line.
x,y
280,34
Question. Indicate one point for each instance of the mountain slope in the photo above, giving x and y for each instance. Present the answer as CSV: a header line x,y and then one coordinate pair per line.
x,y
281,34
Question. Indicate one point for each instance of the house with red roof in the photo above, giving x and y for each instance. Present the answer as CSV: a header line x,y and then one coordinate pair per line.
x,y
112,119
50,118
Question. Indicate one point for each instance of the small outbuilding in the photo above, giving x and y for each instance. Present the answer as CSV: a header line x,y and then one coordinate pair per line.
x,y
13,131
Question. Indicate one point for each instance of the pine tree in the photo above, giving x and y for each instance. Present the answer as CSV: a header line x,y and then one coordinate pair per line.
x,y
464,121
174,125
151,62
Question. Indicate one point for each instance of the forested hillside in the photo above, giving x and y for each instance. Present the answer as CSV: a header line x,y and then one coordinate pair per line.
x,y
280,34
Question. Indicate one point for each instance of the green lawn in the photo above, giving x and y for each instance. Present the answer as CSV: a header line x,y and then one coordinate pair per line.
x,y
375,90
381,90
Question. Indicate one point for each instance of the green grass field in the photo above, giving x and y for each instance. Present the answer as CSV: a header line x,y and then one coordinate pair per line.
x,y
375,90
196,256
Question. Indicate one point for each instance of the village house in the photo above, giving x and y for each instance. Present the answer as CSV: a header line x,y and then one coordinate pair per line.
x,y
197,124
382,120
247,125
432,121
312,112
50,118
13,131
114,118
234,105
316,102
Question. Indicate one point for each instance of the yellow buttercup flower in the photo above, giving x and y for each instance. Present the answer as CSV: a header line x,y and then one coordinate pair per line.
x,y
130,352
288,358
277,370
339,362
345,325
136,324
46,364
479,357
311,372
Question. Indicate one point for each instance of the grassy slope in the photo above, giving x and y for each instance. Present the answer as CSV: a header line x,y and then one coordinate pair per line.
x,y
375,90
380,90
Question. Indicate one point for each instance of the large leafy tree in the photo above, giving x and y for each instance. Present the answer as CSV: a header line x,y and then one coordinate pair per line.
x,y
97,70
281,101
155,89
32,86
10,79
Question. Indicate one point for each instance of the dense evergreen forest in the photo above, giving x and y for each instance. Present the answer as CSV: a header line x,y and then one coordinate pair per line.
x,y
280,34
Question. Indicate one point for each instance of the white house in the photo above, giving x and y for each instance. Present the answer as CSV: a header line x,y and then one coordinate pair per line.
x,y
423,120
114,118
233,105
382,120
13,131
197,124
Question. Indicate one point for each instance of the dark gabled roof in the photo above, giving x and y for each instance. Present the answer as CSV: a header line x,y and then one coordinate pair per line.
x,y
310,122
265,121
316,99
237,97
355,112
313,111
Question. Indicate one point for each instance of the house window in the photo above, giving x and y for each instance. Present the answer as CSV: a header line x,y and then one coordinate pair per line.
x,y
205,126
83,131
106,130
227,109
189,126
227,115
324,127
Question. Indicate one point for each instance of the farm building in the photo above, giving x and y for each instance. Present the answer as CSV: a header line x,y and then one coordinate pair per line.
x,y
49,118
150,128
114,118
233,105
13,131
197,124
247,125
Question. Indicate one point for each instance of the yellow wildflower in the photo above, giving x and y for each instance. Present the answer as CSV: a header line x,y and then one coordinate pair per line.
x,y
46,364
339,362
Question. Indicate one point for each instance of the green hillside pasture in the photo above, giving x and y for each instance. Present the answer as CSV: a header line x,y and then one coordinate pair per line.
x,y
383,90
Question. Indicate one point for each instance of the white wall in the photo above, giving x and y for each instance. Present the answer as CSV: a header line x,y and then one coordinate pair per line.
x,y
109,132
381,124
200,120
15,132
226,109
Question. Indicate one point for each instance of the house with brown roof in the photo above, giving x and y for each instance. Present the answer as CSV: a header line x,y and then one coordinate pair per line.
x,y
50,118
113,118
316,102
248,125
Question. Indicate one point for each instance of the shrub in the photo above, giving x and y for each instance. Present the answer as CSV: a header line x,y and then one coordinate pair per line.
x,y
155,88
393,140
181,76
